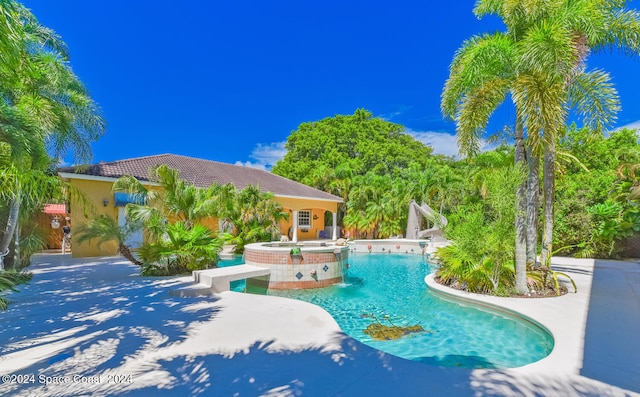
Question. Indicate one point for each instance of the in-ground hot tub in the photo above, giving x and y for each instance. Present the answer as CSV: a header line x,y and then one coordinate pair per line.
x,y
297,265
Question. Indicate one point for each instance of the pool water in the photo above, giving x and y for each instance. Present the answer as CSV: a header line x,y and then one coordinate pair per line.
x,y
389,289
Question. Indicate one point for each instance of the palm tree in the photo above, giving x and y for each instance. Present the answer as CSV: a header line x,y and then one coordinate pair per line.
x,y
571,33
106,229
175,200
552,53
43,103
539,62
364,210
35,188
251,216
482,73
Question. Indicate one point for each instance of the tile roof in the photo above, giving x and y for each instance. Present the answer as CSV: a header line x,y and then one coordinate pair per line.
x,y
203,173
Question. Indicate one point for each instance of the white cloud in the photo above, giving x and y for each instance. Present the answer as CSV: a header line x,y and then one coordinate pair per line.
x,y
251,165
444,142
266,155
441,142
631,126
389,116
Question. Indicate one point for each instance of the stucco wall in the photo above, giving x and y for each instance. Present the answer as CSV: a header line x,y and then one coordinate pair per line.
x,y
82,210
317,208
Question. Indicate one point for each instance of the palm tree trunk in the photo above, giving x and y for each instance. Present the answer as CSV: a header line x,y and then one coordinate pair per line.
x,y
17,262
126,252
549,192
520,216
533,204
12,222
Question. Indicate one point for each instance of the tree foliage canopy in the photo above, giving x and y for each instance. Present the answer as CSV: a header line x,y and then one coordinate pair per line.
x,y
359,143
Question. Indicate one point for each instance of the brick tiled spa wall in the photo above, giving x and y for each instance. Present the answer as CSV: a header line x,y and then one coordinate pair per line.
x,y
312,268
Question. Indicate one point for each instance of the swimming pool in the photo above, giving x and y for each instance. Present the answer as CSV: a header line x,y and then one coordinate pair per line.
x,y
390,289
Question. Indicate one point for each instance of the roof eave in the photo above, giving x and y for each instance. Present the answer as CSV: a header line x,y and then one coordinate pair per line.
x,y
336,200
72,175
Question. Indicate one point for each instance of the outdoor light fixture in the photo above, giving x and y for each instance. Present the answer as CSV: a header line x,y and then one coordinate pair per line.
x,y
55,223
105,202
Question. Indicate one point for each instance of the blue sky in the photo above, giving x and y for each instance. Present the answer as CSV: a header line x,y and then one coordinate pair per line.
x,y
229,81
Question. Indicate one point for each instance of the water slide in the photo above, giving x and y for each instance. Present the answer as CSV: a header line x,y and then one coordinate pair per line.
x,y
416,214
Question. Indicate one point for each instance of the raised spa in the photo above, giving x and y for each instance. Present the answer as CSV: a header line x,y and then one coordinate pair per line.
x,y
297,265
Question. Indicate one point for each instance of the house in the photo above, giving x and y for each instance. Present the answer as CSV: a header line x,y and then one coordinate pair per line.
x,y
306,205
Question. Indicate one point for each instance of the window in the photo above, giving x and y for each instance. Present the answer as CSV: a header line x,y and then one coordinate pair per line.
x,y
304,219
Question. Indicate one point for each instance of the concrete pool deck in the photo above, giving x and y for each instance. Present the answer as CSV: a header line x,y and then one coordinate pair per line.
x,y
92,326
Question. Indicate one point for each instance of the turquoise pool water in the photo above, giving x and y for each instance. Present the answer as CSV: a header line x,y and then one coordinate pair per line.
x,y
390,289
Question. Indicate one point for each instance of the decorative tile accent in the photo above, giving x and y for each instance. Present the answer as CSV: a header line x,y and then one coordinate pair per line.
x,y
325,268
299,275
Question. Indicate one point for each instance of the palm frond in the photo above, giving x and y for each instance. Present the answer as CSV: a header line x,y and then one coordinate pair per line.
x,y
474,112
547,48
622,31
8,282
596,100
488,7
480,59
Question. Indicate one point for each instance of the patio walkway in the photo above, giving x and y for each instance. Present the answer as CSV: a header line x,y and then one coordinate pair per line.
x,y
94,327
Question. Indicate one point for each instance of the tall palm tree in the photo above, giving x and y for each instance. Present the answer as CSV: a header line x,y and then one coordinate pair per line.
x,y
43,104
538,62
553,51
482,74
573,30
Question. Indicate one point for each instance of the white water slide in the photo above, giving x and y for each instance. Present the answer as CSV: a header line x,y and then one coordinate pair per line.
x,y
416,214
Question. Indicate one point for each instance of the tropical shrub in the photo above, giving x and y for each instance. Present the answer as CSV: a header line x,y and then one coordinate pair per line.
x,y
481,257
250,216
612,223
183,249
479,260
596,208
32,240
542,278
